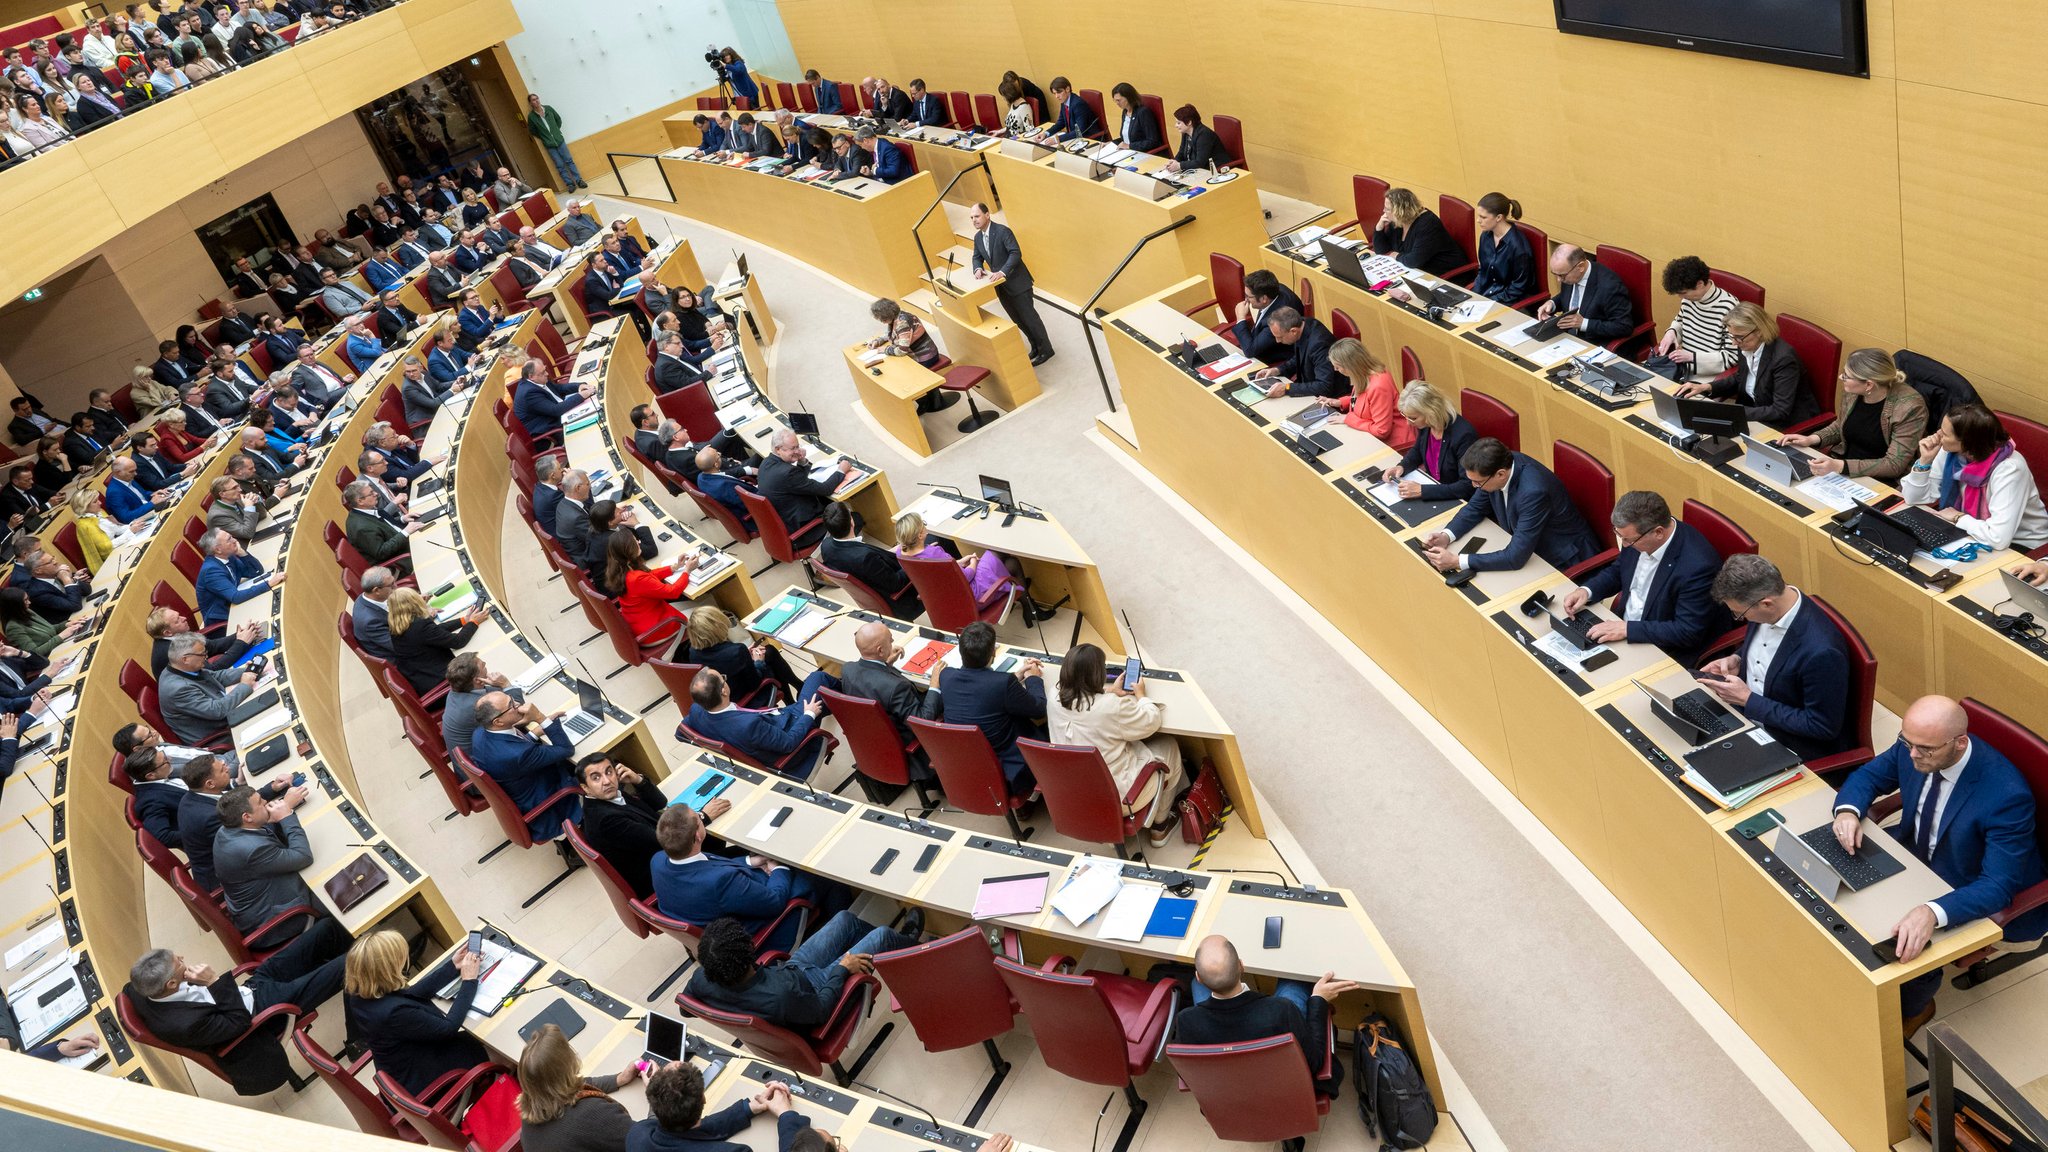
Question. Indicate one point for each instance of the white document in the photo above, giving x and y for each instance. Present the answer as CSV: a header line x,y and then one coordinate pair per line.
x,y
1837,492
1558,648
1387,492
873,356
1086,891
765,828
805,627
34,944
40,1021
541,671
503,970
1227,365
1556,352
272,722
1130,912
1471,311
1516,337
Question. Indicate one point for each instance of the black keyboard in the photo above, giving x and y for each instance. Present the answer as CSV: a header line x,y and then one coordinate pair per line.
x,y
1930,530
1697,710
1859,871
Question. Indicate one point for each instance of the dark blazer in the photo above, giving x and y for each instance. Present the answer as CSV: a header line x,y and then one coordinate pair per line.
x,y
671,373
1605,308
1308,363
539,407
443,286
394,322
31,503
798,499
56,601
889,687
284,346
896,106
234,330
1145,135
573,530
50,475
254,1067
827,93
1984,847
107,424
704,890
1076,118
1539,516
1680,614
624,833
198,820
734,661
227,399
1253,1015
1255,337
1507,270
1426,245
422,398
994,702
546,500
1805,702
767,735
530,771
890,165
422,652
84,452
931,109
996,249
789,992
1780,398
1202,148
878,568
411,1037
156,805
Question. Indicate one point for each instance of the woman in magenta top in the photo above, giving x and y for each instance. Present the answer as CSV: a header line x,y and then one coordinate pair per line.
x,y
1371,406
990,574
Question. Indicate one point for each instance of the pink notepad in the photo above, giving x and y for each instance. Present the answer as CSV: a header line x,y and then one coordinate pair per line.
x,y
1010,896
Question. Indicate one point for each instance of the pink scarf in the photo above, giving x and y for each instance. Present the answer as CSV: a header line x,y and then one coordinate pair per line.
x,y
1976,476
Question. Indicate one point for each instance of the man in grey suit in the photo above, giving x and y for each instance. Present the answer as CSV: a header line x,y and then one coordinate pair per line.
x,y
371,618
257,855
572,515
315,382
996,254
195,700
343,300
875,677
237,512
422,394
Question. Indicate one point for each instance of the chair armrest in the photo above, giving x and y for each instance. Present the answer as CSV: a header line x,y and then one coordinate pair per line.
x,y
1727,645
2029,899
1155,768
1884,806
449,1086
831,743
1058,961
1168,991
439,694
1340,229
559,796
1329,1046
1012,944
264,929
1578,572
854,998
1853,758
1461,275
264,1017
802,908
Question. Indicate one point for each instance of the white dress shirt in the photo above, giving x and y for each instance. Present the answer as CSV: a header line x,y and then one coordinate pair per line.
x,y
189,993
1753,362
1769,638
1646,574
1949,776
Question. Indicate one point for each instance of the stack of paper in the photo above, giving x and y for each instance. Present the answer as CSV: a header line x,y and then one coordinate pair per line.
x,y
774,617
1555,646
1087,890
1730,801
540,673
805,627
1218,369
47,1000
1131,912
1010,896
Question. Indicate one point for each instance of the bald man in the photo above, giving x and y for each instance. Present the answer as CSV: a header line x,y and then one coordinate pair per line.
x,y
1227,1011
1967,814
1591,301
875,677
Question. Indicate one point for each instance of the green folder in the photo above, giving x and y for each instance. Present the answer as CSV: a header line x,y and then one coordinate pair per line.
x,y
462,588
1249,394
774,618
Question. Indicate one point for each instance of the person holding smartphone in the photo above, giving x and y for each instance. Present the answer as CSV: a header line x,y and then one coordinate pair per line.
x,y
1113,716
408,1035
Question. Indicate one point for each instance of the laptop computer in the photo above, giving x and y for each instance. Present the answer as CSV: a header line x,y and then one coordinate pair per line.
x,y
589,716
2029,599
1293,240
802,423
666,1039
1902,533
1664,409
1347,265
1827,868
1712,417
1433,295
1696,716
1786,466
998,492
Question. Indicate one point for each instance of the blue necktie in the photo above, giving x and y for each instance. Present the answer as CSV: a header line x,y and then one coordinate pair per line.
x,y
1923,835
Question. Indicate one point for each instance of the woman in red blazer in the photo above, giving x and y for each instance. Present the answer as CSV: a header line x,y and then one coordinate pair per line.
x,y
646,597
176,444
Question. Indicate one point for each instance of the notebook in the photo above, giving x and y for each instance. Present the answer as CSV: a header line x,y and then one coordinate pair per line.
x,y
1010,895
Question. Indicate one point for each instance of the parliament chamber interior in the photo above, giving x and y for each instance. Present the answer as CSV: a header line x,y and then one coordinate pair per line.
x,y
826,574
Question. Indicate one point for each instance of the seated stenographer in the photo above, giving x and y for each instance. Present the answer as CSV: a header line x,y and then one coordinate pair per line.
x,y
1525,498
1663,581
1791,674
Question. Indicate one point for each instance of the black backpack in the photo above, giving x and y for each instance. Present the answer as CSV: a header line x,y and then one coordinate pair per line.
x,y
1392,1098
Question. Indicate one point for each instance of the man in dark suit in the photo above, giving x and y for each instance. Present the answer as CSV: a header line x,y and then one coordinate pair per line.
x,y
620,809
394,319
157,794
168,369
257,856
84,444
1591,302
1307,370
767,735
470,254
600,284
192,1006
1663,583
1522,496
1264,296
207,778
754,137
530,767
786,481
475,322
55,592
246,282
1968,814
445,362
844,551
875,677
671,369
315,382
108,424
826,91
891,103
722,480
927,108
280,341
235,329
572,518
996,254
538,404
420,392
443,284
22,497
1002,705
227,394
1226,1010
412,249
697,885
880,159
527,270
1076,119
1791,675
547,492
798,992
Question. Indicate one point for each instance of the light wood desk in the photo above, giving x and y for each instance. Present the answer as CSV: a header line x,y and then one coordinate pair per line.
x,y
974,330
889,388
1055,563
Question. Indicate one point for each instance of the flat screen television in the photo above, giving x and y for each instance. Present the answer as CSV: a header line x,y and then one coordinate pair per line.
x,y
1825,35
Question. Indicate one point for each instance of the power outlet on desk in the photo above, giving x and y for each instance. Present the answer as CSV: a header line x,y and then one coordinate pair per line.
x,y
1170,877
63,863
585,991
902,823
139,1076
117,1040
1302,895
824,800
74,932
920,1128
1020,851
1809,901
356,820
88,978
803,1088
750,775
399,863
57,822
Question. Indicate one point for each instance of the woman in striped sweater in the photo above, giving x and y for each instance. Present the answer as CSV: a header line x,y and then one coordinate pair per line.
x,y
1697,340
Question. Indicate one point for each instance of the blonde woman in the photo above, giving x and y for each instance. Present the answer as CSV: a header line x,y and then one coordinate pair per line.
x,y
1430,470
1766,375
1092,710
88,512
411,1039
1879,420
989,574
560,1109
149,393
421,645
745,668
1413,235
1372,405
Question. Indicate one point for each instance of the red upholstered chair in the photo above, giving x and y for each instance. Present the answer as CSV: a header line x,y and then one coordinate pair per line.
x,y
879,751
634,649
1226,292
909,154
1724,534
949,991
615,887
676,678
1368,200
346,625
1081,796
365,1107
851,98
465,801
511,820
785,94
134,680
186,559
266,1027
1230,130
195,527
123,398
948,599
986,114
1590,484
1490,417
1459,221
776,538
2028,753
1740,287
1098,1027
1158,108
1093,99
214,915
436,1113
1411,366
2030,441
161,860
1539,250
742,533
66,544
1342,326
808,1053
1820,351
961,106
969,773
1258,1091
807,98
1038,115
735,752
1862,691
535,207
1306,289
1634,271
862,592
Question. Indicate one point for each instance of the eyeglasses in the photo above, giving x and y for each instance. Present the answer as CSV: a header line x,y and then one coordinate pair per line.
x,y
1923,750
1632,541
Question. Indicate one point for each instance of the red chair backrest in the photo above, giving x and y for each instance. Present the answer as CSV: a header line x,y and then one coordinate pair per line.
x,y
968,770
1307,291
2020,744
1862,671
1158,108
768,522
1230,130
785,94
186,559
118,775
134,681
536,208
66,542
615,887
1226,283
1740,287
436,1129
124,1011
1490,417
426,737
1589,483
623,641
1411,366
364,1107
1342,326
1634,270
1820,352
770,1042
510,820
807,98
863,593
692,407
345,477
877,746
676,678
726,517
1458,220
1724,534
1257,1091
213,916
949,990
1080,794
985,113
1076,1033
123,398
909,153
948,599
851,98
509,291
196,527
960,106
1093,99
1038,115
2029,440
1368,200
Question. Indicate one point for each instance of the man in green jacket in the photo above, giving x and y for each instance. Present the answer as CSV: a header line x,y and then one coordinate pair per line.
x,y
546,125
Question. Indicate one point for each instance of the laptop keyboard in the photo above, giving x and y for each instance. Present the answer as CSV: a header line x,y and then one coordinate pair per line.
x,y
581,724
1697,710
1858,874
1931,530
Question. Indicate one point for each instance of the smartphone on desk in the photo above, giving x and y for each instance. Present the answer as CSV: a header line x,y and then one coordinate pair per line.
x,y
1273,926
